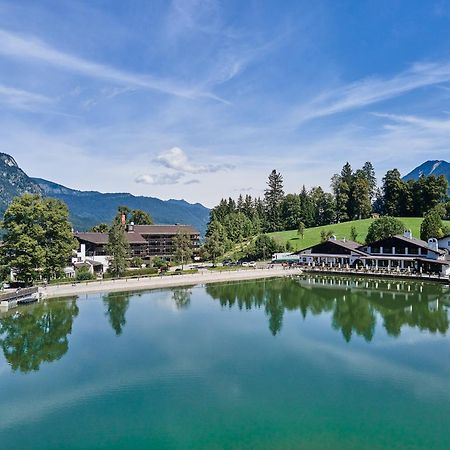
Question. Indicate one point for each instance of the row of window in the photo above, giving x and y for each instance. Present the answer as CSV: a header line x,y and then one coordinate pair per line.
x,y
398,251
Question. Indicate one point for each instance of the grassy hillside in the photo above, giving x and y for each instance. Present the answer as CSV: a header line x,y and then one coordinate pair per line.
x,y
340,230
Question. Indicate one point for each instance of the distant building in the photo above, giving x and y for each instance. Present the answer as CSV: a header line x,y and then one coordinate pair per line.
x,y
400,252
145,241
333,251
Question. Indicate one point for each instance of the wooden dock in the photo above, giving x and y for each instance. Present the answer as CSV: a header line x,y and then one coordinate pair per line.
x,y
19,297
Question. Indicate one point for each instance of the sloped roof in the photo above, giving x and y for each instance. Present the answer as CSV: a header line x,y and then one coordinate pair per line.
x,y
418,242
344,243
103,238
137,235
95,238
165,229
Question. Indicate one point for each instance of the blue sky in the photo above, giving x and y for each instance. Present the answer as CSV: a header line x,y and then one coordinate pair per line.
x,y
202,99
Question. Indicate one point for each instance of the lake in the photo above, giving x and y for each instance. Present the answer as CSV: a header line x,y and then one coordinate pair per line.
x,y
309,362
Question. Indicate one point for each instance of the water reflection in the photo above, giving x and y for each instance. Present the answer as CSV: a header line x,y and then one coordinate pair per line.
x,y
182,297
354,304
116,308
33,335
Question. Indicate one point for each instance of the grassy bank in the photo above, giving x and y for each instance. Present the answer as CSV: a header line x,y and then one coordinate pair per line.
x,y
341,231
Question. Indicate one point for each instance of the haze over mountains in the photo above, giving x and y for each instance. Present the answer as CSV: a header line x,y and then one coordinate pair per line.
x,y
88,208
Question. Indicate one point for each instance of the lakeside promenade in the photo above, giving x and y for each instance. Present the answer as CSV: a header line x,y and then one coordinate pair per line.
x,y
145,283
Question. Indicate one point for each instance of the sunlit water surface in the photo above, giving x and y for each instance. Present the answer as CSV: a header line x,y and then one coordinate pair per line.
x,y
297,363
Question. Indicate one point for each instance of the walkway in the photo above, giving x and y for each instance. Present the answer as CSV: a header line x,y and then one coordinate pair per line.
x,y
144,283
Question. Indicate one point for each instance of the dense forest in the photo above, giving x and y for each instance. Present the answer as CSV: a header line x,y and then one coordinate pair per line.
x,y
354,195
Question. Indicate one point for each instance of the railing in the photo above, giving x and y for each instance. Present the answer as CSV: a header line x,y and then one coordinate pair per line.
x,y
378,272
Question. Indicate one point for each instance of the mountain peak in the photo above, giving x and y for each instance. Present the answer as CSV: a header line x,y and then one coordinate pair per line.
x,y
8,160
434,167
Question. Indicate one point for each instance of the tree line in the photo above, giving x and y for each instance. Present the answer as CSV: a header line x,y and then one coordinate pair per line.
x,y
354,195
38,241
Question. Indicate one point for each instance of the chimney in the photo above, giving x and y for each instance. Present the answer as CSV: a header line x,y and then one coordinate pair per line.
x,y
123,218
408,234
433,244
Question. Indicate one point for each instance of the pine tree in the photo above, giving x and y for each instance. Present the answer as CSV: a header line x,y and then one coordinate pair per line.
x,y
393,189
307,208
369,174
118,247
361,203
342,194
301,229
353,233
273,197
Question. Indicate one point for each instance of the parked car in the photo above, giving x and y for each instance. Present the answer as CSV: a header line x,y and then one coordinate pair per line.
x,y
245,264
252,264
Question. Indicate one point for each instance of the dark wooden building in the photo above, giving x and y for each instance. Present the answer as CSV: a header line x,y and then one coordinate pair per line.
x,y
145,240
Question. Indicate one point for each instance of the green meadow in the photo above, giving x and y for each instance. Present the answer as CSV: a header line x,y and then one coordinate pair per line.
x,y
341,231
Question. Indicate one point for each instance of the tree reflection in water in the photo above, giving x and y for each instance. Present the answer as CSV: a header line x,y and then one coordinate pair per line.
x,y
33,335
354,304
37,334
116,308
182,297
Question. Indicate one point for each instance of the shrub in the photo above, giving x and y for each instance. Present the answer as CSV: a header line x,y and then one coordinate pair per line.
x,y
83,274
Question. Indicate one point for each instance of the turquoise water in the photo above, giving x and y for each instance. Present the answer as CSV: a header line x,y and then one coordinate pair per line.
x,y
308,363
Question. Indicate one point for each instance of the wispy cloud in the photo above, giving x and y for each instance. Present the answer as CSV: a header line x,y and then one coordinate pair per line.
x,y
176,159
372,90
194,181
159,179
21,99
418,122
29,48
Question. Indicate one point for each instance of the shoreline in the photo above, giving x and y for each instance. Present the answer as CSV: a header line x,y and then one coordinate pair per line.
x,y
369,274
150,283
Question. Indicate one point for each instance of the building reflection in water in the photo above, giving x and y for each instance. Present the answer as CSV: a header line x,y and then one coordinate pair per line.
x,y
355,304
37,334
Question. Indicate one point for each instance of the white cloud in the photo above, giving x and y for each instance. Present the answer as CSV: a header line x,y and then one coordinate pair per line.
x,y
418,122
159,179
176,159
372,90
20,99
27,48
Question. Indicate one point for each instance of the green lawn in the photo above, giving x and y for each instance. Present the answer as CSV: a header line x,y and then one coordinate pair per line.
x,y
341,231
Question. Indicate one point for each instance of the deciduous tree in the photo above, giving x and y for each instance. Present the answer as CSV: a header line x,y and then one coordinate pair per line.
x,y
384,227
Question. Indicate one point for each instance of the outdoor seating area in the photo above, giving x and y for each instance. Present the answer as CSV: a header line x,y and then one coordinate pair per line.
x,y
373,271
